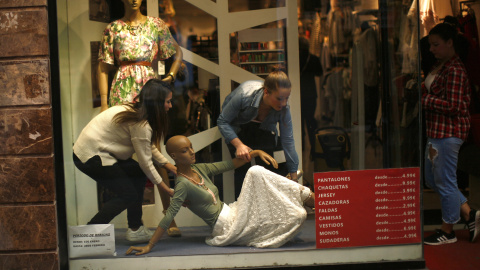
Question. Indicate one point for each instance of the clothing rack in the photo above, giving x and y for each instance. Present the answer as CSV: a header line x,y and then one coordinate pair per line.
x,y
373,12
340,60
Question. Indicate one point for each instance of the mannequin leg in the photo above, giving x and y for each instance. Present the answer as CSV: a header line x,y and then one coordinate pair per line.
x,y
173,230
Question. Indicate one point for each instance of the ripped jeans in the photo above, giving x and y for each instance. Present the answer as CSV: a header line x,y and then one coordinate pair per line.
x,y
441,156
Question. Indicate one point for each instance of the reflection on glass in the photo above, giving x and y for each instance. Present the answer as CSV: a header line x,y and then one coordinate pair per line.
x,y
192,28
242,5
400,116
196,104
361,110
260,50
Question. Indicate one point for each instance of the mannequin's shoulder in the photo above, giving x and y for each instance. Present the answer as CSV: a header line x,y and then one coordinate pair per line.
x,y
116,22
115,26
156,21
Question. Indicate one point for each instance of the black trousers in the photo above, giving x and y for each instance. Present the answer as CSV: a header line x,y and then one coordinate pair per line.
x,y
308,121
126,180
257,139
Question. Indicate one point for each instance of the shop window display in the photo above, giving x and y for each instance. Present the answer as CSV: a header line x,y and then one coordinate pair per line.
x,y
344,40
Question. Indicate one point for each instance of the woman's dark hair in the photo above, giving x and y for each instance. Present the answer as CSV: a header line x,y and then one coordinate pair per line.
x,y
277,79
445,31
149,106
449,30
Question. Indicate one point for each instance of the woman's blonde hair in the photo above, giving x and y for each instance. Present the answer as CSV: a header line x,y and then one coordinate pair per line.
x,y
277,79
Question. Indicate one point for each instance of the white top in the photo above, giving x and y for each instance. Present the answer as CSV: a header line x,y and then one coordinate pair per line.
x,y
429,80
114,142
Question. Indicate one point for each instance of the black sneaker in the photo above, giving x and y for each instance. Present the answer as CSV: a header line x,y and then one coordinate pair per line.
x,y
440,237
473,224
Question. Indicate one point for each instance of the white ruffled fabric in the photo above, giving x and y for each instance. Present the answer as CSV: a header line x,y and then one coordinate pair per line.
x,y
268,213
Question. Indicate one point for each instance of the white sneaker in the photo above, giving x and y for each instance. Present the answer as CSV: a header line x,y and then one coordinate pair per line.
x,y
143,234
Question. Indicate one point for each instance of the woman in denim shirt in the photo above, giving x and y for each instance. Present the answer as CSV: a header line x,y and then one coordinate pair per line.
x,y
249,119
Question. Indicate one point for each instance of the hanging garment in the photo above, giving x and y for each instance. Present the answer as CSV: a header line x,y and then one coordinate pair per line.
x,y
325,58
409,47
315,40
337,40
431,11
370,62
472,58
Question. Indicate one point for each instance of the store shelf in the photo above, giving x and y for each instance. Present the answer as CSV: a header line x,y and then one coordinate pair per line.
x,y
262,62
261,50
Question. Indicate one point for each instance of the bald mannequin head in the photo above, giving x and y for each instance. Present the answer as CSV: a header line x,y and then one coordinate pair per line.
x,y
176,144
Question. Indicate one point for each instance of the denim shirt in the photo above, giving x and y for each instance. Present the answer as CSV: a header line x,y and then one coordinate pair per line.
x,y
241,107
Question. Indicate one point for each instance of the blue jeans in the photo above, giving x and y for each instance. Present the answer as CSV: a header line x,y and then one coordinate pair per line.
x,y
441,156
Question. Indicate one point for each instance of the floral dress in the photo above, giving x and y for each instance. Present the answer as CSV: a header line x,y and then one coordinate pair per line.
x,y
121,42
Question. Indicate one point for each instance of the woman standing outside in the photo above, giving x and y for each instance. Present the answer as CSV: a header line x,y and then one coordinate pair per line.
x,y
445,100
249,119
104,150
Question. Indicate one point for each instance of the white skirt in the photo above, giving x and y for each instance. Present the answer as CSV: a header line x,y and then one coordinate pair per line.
x,y
268,213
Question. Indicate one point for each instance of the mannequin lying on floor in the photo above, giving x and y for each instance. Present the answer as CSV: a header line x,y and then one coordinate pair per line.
x,y
268,213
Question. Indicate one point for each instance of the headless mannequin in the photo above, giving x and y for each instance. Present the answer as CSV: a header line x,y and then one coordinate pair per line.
x,y
133,17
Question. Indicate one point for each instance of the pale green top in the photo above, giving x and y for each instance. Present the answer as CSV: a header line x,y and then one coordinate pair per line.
x,y
200,201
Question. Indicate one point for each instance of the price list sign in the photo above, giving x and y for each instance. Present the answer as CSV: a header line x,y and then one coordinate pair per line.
x,y
367,208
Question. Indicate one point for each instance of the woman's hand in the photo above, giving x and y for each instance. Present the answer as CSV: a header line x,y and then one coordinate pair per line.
x,y
243,152
293,176
165,188
265,157
170,167
139,250
167,79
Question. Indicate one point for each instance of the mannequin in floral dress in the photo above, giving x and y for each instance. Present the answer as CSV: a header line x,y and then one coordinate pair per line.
x,y
132,43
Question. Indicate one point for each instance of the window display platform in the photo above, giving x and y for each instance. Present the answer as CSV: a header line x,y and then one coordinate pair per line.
x,y
191,252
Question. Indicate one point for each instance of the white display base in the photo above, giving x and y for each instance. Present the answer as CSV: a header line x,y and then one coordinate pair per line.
x,y
384,254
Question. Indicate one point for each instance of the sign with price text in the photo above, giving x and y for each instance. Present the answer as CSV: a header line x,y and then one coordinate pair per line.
x,y
367,208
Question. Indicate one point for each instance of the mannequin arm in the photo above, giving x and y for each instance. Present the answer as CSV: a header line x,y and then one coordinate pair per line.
x,y
176,64
146,249
102,77
238,162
